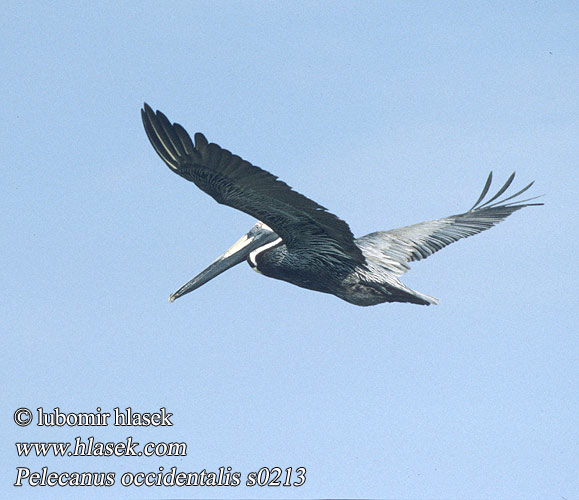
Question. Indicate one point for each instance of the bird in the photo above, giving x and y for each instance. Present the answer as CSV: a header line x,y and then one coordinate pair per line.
x,y
299,241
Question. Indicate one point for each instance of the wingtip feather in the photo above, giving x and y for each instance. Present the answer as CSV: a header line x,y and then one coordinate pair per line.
x,y
497,204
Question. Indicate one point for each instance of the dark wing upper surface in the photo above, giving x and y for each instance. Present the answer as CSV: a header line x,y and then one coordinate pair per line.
x,y
394,248
232,181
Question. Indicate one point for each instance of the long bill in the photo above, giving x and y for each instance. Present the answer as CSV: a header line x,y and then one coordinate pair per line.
x,y
255,238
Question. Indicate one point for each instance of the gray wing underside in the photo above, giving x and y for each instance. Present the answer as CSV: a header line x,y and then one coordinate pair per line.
x,y
393,249
303,224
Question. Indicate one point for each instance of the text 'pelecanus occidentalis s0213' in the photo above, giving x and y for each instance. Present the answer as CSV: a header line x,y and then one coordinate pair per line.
x,y
299,241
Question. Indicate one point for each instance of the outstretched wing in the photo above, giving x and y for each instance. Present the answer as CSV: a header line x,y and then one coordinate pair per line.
x,y
394,248
302,223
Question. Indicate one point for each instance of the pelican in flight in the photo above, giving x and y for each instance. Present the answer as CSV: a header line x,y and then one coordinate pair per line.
x,y
299,241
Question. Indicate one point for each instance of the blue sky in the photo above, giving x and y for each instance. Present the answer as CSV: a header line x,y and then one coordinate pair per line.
x,y
388,113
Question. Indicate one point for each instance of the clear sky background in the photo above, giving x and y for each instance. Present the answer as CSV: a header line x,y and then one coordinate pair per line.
x,y
388,113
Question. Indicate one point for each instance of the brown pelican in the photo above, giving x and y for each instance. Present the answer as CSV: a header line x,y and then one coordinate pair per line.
x,y
299,241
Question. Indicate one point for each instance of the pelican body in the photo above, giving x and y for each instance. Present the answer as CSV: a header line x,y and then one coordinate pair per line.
x,y
299,241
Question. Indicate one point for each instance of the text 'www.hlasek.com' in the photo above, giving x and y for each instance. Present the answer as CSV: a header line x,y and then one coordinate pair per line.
x,y
91,446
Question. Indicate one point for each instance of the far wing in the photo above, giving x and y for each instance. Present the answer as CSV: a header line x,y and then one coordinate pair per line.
x,y
394,248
